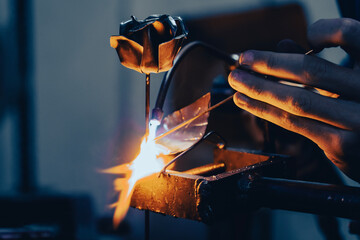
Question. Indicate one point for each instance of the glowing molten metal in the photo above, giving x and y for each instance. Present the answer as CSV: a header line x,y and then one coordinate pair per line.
x,y
146,163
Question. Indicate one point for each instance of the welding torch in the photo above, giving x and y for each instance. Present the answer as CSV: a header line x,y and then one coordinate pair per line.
x,y
230,60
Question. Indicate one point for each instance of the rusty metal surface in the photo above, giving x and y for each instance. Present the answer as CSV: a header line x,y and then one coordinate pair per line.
x,y
219,195
199,197
173,194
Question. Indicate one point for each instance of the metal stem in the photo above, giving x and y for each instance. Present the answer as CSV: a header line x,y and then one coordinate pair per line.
x,y
147,117
147,225
147,104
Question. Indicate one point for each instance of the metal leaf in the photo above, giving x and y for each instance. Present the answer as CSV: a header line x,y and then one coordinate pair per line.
x,y
185,137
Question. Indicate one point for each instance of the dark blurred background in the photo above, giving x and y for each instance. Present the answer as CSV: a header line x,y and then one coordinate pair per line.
x,y
69,109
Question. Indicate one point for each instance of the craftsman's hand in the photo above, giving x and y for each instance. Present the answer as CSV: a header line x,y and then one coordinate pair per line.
x,y
332,123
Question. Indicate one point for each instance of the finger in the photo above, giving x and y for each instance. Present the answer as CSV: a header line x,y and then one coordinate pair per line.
x,y
290,46
298,101
318,132
308,70
337,144
344,32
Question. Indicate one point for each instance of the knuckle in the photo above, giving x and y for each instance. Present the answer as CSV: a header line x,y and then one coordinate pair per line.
x,y
256,89
262,110
338,142
288,121
300,103
348,27
313,69
343,145
271,62
349,143
332,145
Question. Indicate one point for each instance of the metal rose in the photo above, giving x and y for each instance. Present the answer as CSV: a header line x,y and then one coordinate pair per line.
x,y
150,45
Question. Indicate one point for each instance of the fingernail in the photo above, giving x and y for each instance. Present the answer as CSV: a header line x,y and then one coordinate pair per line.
x,y
246,58
234,76
240,98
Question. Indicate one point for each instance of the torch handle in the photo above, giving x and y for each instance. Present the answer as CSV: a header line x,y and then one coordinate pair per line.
x,y
318,198
147,104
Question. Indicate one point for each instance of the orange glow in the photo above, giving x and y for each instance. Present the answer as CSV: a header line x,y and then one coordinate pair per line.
x,y
263,67
147,162
159,27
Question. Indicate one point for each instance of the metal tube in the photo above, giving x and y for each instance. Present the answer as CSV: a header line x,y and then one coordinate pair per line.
x,y
147,104
318,198
147,224
207,170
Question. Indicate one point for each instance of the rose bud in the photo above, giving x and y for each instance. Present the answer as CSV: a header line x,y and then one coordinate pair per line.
x,y
150,45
